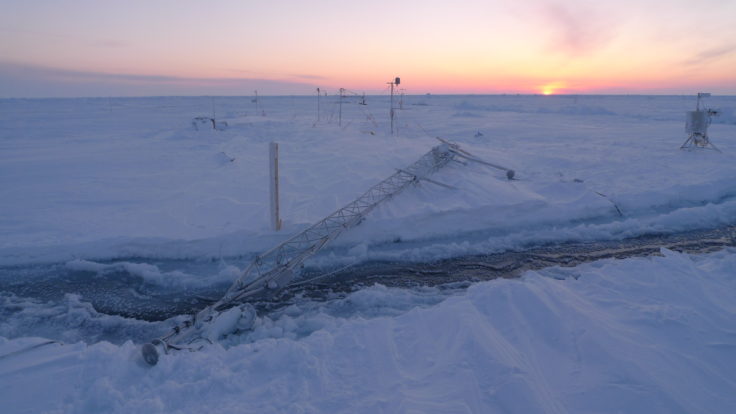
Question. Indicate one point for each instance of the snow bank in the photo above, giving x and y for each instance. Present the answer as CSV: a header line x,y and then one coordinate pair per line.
x,y
153,275
70,320
644,335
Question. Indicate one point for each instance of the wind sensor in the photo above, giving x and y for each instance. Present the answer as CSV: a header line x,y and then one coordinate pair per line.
x,y
696,125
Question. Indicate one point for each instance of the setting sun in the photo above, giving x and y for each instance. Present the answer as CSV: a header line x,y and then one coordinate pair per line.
x,y
551,88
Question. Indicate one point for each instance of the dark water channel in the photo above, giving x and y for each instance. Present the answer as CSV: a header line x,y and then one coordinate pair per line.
x,y
121,293
510,264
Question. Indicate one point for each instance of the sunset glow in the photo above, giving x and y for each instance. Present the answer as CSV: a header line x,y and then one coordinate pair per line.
x,y
291,47
552,88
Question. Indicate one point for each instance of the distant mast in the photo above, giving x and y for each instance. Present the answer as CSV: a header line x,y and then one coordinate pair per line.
x,y
318,93
396,82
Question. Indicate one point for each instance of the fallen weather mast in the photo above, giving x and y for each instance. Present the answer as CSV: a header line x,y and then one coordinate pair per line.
x,y
272,271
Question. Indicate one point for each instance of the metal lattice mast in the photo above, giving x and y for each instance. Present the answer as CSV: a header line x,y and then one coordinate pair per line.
x,y
272,271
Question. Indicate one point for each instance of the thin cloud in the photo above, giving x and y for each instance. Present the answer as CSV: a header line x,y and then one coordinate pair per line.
x,y
25,80
711,54
112,44
280,74
578,30
310,77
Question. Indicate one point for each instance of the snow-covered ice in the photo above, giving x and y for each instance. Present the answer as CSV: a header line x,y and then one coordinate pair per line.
x,y
644,335
129,189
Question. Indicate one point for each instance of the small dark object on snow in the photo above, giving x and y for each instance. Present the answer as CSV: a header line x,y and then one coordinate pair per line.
x,y
150,354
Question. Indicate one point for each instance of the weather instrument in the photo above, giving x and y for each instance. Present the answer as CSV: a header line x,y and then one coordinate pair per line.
x,y
696,126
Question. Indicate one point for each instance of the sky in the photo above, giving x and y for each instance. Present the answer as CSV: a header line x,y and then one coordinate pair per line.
x,y
53,48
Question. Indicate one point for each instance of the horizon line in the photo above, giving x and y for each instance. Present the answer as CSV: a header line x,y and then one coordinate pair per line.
x,y
367,95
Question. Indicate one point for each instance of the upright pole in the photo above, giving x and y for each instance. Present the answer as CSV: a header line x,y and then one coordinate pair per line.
x,y
339,116
273,157
318,112
214,115
391,112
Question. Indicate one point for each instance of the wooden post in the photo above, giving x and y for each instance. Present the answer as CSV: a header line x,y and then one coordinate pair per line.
x,y
273,157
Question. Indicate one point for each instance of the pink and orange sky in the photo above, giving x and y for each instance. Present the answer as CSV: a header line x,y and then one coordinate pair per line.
x,y
229,47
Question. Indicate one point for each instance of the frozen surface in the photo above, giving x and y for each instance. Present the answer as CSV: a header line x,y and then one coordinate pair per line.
x,y
127,194
646,335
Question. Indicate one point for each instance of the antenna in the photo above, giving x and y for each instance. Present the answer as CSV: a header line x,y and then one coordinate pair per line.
x,y
701,95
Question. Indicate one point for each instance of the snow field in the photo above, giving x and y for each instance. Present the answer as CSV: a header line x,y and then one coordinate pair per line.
x,y
644,335
127,186
109,180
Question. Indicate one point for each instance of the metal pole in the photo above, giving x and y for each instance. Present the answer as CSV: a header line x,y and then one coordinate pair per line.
x,y
273,157
391,112
339,119
317,104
